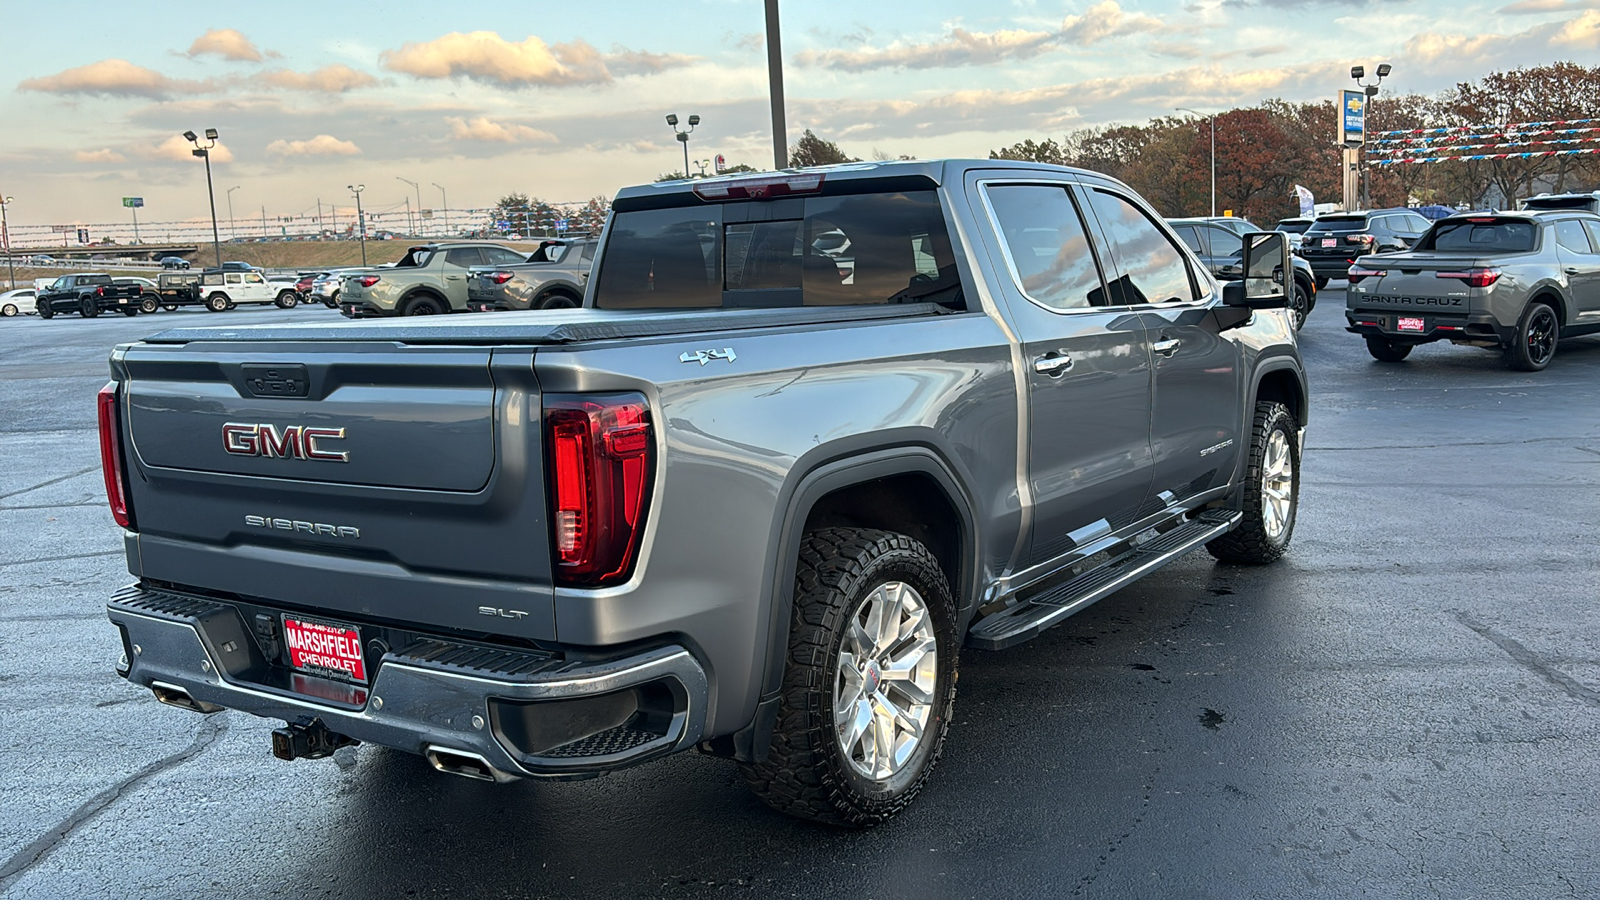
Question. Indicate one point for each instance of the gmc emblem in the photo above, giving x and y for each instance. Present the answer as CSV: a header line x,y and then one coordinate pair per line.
x,y
293,442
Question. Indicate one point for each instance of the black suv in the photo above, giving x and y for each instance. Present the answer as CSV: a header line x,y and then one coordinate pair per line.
x,y
1333,242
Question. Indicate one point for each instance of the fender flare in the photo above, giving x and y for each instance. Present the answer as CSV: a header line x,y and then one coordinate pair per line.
x,y
1551,286
1263,368
825,471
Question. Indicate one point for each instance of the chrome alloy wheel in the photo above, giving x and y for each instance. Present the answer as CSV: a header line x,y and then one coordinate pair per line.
x,y
1277,485
888,668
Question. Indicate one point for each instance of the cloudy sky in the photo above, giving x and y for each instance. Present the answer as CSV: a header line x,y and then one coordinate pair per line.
x,y
566,100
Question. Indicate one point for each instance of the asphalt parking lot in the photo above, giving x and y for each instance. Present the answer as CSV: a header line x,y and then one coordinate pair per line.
x,y
1408,705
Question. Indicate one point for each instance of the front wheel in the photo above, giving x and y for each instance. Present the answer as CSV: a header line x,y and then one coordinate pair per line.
x,y
148,305
1272,490
1299,303
1385,350
868,683
1534,345
287,299
45,311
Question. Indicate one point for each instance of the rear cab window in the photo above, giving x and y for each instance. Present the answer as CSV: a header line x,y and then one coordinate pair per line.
x,y
860,247
1480,234
1149,266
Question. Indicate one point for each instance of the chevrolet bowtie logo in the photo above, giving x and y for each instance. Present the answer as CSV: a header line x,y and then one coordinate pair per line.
x,y
704,356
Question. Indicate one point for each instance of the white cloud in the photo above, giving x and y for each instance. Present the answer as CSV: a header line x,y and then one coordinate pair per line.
x,y
321,145
227,43
115,78
333,79
1548,6
178,149
99,156
489,58
482,128
1582,32
961,47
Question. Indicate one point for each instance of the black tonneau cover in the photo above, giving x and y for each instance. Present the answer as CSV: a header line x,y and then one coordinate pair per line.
x,y
565,326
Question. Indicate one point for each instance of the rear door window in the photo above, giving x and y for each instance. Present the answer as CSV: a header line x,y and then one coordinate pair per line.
x,y
1047,245
1150,268
1225,243
815,251
1190,235
1570,235
500,256
465,257
1593,228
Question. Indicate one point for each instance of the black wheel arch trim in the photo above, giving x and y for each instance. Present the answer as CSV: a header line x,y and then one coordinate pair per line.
x,y
818,473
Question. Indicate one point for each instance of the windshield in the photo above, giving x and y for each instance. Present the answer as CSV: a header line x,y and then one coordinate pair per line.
x,y
1480,235
816,251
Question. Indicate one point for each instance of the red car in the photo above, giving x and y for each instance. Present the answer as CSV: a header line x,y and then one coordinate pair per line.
x,y
303,285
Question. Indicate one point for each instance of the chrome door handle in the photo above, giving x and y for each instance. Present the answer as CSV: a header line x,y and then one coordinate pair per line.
x,y
1053,365
1166,348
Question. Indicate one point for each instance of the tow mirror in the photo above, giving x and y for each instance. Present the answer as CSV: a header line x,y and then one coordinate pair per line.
x,y
1265,266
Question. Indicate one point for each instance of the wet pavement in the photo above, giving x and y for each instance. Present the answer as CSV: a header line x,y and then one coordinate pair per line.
x,y
1407,705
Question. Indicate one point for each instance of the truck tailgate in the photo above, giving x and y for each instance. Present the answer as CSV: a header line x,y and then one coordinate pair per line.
x,y
1410,281
363,478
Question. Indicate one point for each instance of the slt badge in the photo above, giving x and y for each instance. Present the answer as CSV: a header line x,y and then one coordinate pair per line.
x,y
704,356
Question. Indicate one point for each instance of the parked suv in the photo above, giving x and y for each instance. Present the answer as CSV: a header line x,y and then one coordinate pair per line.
x,y
1333,242
739,502
1517,282
429,280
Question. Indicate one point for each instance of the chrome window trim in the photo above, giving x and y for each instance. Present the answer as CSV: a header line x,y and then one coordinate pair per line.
x,y
1206,299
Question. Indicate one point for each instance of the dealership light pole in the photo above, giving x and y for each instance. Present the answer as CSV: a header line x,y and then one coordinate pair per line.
x,y
361,220
1213,118
5,239
683,137
233,233
1358,73
780,136
205,154
419,203
445,199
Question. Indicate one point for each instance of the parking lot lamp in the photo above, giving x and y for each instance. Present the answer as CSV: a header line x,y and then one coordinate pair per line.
x,y
5,239
419,204
1358,73
361,220
233,233
445,199
1213,118
683,137
205,154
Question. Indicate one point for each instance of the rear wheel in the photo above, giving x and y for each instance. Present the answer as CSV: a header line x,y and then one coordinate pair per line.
x,y
88,309
169,307
1272,490
1385,350
148,305
9,310
1322,282
131,311
1534,345
217,302
1299,303
287,299
426,305
558,300
868,682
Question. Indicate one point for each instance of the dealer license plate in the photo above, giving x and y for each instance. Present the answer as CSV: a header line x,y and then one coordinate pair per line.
x,y
325,649
1330,242
1408,324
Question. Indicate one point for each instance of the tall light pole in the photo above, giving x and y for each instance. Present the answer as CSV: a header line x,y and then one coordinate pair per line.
x,y
683,137
5,239
361,220
1213,118
1359,72
445,199
205,154
419,203
233,233
780,135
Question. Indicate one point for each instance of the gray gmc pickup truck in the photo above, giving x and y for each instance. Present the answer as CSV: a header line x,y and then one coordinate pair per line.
x,y
753,498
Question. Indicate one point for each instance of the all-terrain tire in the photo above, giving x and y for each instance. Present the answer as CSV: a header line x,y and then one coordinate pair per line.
x,y
1385,350
287,300
1534,345
1256,541
807,773
218,303
148,305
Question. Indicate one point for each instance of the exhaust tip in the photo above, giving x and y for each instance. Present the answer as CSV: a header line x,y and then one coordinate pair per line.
x,y
172,695
460,762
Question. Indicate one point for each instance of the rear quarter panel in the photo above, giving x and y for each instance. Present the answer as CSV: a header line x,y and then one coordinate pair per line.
x,y
734,439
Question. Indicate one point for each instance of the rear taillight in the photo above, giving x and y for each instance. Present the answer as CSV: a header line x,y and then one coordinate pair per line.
x,y
1473,277
100,292
111,456
600,459
1357,273
500,277
368,280
1359,238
